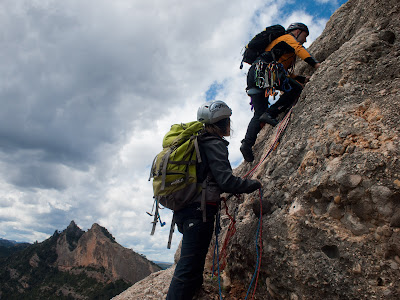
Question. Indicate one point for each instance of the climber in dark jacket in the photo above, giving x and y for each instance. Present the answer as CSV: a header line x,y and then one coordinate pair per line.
x,y
216,171
285,49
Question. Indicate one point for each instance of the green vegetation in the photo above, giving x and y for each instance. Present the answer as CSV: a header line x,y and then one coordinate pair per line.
x,y
60,285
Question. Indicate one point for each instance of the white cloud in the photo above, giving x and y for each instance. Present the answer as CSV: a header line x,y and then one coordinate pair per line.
x,y
89,88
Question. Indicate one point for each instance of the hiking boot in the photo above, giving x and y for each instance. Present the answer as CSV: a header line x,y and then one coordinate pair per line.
x,y
266,118
247,152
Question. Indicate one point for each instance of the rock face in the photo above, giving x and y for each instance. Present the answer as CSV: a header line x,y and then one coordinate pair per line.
x,y
331,189
97,248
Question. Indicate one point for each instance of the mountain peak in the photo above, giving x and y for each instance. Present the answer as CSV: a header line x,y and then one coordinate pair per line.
x,y
96,228
73,262
72,225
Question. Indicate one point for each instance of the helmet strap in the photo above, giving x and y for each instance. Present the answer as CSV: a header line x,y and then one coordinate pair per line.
x,y
298,34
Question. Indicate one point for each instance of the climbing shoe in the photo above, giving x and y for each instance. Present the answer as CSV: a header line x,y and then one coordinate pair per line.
x,y
266,118
247,152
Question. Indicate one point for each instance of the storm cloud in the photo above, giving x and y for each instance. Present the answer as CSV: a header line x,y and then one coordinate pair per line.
x,y
87,90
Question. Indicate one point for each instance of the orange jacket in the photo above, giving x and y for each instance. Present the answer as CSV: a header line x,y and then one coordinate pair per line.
x,y
286,48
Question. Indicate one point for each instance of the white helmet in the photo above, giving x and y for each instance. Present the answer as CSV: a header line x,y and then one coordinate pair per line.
x,y
212,112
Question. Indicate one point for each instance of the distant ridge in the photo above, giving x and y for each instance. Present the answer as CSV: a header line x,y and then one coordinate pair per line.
x,y
163,265
71,264
8,247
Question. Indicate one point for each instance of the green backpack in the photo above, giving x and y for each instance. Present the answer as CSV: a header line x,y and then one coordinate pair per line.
x,y
174,170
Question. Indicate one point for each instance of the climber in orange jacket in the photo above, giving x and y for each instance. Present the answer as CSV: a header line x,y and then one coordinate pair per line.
x,y
285,49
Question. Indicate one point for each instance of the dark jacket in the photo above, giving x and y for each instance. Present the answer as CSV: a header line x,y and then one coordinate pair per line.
x,y
214,155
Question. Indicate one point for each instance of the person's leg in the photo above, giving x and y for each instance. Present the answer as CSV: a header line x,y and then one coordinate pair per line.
x,y
188,276
260,105
286,100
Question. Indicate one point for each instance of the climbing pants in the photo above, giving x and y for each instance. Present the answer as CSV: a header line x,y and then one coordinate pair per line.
x,y
260,105
188,276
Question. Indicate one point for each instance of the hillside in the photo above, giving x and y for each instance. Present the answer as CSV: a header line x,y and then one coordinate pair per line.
x,y
331,201
72,264
9,247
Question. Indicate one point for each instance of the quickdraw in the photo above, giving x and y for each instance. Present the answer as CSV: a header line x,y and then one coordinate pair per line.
x,y
271,76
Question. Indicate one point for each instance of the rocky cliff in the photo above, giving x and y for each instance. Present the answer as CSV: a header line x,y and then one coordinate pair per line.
x,y
97,248
72,264
331,201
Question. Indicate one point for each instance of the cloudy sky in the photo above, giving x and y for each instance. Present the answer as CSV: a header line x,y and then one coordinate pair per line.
x,y
88,88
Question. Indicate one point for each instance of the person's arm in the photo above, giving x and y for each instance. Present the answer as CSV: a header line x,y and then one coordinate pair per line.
x,y
217,157
301,52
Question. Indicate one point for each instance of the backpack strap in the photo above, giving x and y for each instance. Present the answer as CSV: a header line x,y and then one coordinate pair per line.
x,y
155,216
203,199
171,231
164,169
151,169
196,146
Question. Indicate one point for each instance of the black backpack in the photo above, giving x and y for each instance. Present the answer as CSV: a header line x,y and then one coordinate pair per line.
x,y
258,43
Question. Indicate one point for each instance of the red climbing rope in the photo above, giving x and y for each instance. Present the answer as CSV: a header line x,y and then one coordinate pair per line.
x,y
281,128
260,243
232,227
229,234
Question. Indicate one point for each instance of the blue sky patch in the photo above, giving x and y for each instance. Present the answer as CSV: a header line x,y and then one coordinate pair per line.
x,y
322,9
213,90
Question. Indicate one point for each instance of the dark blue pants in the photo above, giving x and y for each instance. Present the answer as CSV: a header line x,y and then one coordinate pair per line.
x,y
260,104
188,276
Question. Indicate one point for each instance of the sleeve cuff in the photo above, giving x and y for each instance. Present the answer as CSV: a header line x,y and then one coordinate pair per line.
x,y
311,61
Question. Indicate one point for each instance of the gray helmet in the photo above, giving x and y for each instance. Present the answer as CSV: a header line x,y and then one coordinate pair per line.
x,y
212,112
295,26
